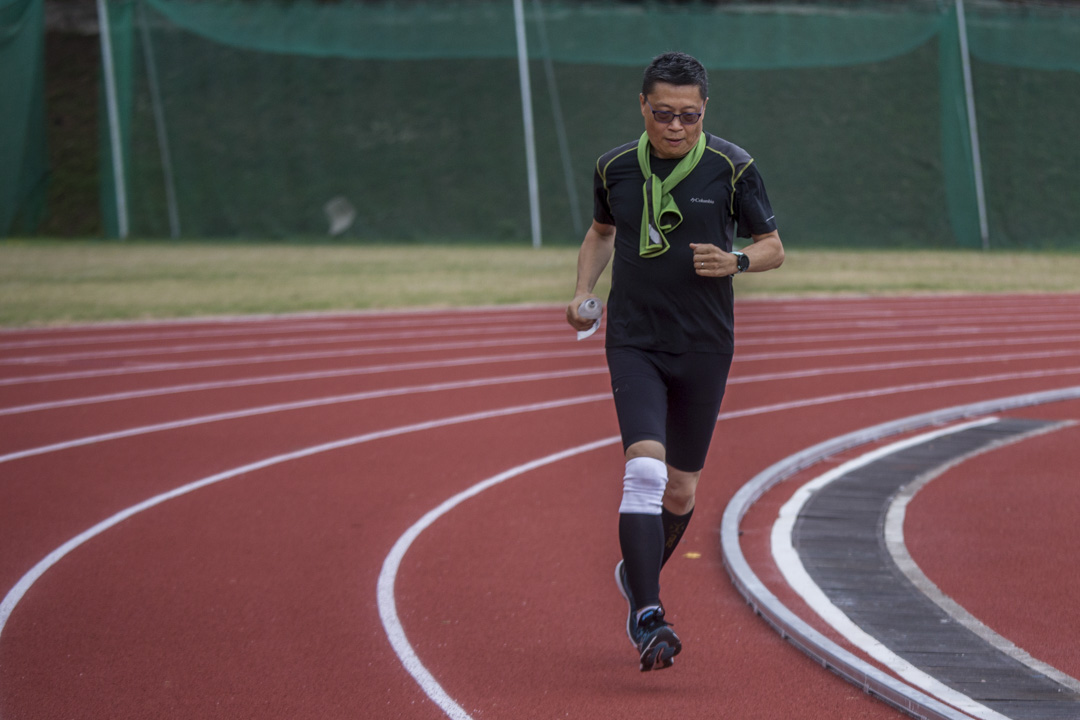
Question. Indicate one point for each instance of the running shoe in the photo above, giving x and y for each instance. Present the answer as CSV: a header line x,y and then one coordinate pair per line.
x,y
624,590
656,641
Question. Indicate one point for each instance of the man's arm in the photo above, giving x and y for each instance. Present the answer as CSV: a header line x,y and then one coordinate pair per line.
x,y
593,257
765,253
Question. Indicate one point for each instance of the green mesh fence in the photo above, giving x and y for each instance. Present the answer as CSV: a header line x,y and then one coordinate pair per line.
x,y
404,121
23,160
1027,84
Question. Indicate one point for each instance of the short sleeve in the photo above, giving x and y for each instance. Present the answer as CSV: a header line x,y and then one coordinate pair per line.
x,y
753,212
601,209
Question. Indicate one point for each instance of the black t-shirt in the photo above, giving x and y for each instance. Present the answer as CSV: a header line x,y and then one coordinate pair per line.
x,y
660,303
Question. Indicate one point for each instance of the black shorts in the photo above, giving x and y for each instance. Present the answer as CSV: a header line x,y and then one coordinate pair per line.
x,y
671,398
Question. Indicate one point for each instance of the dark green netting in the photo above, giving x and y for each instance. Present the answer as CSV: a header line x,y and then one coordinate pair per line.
x,y
23,158
1027,84
1025,36
578,33
404,121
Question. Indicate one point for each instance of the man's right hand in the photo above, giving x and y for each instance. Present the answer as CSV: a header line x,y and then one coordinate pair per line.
x,y
576,321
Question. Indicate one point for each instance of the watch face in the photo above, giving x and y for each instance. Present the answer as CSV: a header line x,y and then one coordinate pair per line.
x,y
744,262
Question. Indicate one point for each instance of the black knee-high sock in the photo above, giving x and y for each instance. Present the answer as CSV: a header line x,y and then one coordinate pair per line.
x,y
641,537
674,527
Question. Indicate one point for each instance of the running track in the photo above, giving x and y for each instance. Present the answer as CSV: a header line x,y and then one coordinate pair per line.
x,y
412,515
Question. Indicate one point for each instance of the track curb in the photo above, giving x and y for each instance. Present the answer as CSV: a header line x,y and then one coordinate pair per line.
x,y
821,649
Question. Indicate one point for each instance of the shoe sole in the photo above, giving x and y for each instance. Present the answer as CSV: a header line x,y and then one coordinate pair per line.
x,y
625,592
661,651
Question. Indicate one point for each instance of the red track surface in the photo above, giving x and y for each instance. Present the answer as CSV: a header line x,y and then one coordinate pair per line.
x,y
256,594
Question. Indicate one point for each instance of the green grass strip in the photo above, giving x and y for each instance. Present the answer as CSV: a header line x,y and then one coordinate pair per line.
x,y
61,282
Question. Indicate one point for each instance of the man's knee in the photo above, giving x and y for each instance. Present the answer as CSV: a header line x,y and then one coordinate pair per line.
x,y
646,448
643,486
681,491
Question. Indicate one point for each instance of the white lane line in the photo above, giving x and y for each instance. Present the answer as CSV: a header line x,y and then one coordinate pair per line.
x,y
957,311
545,330
267,359
789,625
388,576
65,337
948,325
929,304
907,347
794,572
351,318
13,597
391,327
896,389
298,377
894,542
354,397
917,333
492,359
598,349
68,339
9,602
285,407
894,365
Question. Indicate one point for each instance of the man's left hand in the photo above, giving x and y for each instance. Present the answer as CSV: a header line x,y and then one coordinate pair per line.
x,y
711,261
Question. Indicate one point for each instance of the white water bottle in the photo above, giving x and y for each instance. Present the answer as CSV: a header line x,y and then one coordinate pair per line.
x,y
591,309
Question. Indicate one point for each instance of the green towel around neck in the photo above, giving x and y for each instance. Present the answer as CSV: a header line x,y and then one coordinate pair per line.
x,y
661,215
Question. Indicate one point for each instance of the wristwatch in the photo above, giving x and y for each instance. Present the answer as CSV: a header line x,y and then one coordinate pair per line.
x,y
742,260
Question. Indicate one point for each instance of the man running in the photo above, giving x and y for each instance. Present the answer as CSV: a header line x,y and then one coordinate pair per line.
x,y
667,208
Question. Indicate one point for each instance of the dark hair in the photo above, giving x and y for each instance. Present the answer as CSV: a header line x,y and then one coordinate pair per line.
x,y
676,68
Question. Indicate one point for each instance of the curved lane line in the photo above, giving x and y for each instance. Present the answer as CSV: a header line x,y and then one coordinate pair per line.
x,y
385,589
794,572
789,625
267,410
150,367
809,402
253,325
894,542
538,337
146,367
539,329
276,325
542,331
13,597
16,593
298,377
492,359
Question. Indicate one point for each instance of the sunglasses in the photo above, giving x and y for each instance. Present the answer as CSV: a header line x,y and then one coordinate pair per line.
x,y
666,116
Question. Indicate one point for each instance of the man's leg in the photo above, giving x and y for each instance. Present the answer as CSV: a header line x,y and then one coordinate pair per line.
x,y
640,392
696,391
678,507
641,535
641,529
